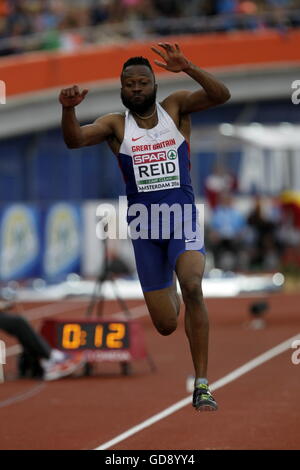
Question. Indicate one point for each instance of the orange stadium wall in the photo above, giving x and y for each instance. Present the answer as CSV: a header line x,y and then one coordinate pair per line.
x,y
40,71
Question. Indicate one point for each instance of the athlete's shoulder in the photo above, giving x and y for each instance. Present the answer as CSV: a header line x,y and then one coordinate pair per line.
x,y
172,104
112,117
175,100
117,115
112,121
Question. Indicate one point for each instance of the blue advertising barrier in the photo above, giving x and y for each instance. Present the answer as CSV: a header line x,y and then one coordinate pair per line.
x,y
61,234
20,242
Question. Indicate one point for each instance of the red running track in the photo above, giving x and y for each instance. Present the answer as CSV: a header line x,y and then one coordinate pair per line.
x,y
258,410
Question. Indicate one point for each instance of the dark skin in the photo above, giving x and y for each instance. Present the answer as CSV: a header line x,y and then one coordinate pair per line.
x,y
138,83
137,80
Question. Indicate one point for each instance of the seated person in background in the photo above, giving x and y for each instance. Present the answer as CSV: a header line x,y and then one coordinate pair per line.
x,y
38,359
288,235
265,249
219,181
227,227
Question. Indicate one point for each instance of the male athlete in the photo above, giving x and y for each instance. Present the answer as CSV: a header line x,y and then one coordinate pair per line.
x,y
163,129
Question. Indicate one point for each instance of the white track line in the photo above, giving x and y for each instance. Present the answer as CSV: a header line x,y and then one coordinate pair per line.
x,y
62,307
54,309
137,312
280,348
48,310
23,396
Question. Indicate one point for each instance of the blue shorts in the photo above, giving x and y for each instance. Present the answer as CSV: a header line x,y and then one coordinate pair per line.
x,y
156,258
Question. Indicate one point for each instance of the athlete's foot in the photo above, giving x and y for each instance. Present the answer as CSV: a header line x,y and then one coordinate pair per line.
x,y
203,399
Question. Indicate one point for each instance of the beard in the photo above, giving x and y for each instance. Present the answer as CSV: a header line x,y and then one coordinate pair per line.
x,y
139,107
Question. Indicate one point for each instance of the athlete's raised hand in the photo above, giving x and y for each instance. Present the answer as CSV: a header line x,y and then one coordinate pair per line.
x,y
174,59
70,97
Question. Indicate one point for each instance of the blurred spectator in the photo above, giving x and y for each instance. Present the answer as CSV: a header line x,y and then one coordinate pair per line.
x,y
168,8
196,8
100,11
69,38
218,182
290,201
43,18
226,6
289,233
289,230
280,18
250,19
54,19
264,250
4,8
38,359
227,231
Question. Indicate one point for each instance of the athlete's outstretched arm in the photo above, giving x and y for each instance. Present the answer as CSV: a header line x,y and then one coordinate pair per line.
x,y
212,93
76,136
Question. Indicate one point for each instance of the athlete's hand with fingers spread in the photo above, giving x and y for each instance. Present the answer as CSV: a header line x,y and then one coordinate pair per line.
x,y
174,59
70,97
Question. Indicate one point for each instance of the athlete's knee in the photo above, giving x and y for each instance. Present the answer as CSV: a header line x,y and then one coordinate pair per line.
x,y
166,328
192,291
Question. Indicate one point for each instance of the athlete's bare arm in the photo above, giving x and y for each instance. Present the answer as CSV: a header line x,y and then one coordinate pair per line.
x,y
107,127
212,92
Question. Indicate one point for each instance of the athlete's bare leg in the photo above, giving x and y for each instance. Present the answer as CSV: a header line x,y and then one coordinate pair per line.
x,y
189,269
164,307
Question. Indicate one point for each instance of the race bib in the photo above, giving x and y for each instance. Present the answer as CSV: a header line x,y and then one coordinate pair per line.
x,y
156,170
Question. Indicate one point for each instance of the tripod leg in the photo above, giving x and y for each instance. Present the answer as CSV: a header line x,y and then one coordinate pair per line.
x,y
97,297
100,306
88,369
126,368
121,301
93,301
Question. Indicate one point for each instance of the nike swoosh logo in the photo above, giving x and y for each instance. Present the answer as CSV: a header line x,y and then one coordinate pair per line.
x,y
133,139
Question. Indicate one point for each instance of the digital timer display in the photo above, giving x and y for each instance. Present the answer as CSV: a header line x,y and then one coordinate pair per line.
x,y
101,339
104,335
